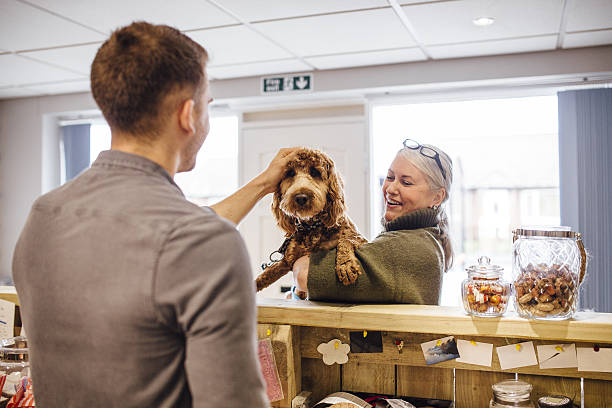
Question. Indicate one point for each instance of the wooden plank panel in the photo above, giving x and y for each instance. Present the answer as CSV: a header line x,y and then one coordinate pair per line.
x,y
368,377
544,385
425,382
285,344
597,393
473,388
412,354
585,327
319,378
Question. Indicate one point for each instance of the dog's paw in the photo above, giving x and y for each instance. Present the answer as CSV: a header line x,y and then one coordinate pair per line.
x,y
348,272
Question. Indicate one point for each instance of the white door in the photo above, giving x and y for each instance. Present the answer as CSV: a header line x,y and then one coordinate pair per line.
x,y
344,139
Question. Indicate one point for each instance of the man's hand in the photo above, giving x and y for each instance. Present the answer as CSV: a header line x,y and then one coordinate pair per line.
x,y
238,205
273,174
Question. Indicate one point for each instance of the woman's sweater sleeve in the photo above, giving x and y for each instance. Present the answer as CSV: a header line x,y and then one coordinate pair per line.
x,y
403,266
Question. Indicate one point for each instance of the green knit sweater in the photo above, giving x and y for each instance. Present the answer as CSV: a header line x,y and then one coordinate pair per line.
x,y
404,264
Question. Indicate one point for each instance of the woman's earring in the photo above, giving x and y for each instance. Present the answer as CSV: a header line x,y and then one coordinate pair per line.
x,y
435,207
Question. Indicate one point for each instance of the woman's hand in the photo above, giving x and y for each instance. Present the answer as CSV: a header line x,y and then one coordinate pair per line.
x,y
300,276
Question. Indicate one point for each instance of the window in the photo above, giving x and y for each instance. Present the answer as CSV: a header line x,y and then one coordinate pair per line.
x,y
214,177
506,170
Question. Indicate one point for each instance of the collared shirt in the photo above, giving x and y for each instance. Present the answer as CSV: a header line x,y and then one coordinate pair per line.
x,y
131,296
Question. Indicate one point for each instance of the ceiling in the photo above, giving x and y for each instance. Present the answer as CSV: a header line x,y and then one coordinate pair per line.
x,y
46,46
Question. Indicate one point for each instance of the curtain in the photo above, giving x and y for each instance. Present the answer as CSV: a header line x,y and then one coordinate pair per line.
x,y
585,154
76,149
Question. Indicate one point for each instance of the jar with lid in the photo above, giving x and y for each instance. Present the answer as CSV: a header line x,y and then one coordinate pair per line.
x,y
14,364
484,292
511,393
549,265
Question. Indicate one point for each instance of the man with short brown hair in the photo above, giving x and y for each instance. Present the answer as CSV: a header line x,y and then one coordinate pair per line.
x,y
131,295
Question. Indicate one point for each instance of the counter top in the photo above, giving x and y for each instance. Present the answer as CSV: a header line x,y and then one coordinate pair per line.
x,y
584,327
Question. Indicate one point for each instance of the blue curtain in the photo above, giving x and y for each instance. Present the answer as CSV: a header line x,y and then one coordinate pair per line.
x,y
585,155
76,149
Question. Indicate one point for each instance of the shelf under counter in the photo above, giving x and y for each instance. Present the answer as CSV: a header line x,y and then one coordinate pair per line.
x,y
296,328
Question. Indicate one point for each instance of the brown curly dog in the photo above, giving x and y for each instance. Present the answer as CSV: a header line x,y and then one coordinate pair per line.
x,y
309,207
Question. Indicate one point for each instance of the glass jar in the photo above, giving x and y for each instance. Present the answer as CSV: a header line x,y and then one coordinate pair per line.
x,y
549,265
511,393
14,364
555,401
484,292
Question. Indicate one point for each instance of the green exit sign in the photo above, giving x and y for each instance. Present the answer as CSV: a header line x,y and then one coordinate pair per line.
x,y
283,84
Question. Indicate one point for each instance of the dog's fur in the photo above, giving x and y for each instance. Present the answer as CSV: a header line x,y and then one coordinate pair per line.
x,y
309,207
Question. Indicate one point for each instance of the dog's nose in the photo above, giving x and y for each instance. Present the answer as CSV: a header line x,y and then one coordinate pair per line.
x,y
301,199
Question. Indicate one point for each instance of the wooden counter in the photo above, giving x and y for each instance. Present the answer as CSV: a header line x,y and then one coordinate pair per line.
x,y
296,328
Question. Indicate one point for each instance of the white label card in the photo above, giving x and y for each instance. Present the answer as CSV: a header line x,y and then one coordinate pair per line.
x,y
474,352
517,355
557,356
7,319
591,360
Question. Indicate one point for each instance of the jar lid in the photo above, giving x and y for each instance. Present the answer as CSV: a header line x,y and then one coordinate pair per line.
x,y
552,232
555,401
512,388
484,267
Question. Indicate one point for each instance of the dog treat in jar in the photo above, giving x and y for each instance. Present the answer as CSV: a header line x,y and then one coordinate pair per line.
x,y
548,266
484,292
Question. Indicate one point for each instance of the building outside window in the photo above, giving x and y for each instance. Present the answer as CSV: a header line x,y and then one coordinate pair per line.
x,y
214,177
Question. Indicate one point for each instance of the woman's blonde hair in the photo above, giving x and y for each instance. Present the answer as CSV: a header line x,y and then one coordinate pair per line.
x,y
437,180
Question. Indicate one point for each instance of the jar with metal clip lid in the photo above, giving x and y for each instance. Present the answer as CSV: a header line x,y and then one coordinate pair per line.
x,y
511,393
484,292
549,264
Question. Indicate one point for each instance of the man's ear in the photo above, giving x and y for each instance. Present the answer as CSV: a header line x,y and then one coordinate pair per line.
x,y
186,116
439,196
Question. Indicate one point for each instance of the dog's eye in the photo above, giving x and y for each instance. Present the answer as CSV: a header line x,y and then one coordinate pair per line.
x,y
290,173
315,173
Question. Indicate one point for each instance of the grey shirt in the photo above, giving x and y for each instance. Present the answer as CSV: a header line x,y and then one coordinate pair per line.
x,y
131,296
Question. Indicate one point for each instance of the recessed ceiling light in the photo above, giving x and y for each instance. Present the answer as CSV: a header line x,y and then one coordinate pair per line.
x,y
483,21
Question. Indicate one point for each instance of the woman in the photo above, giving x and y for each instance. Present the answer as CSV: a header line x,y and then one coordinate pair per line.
x,y
405,263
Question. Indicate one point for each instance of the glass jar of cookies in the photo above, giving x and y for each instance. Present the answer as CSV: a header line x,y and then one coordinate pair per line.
x,y
484,292
549,265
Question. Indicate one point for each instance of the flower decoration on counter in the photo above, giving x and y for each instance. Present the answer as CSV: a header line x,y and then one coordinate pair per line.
x,y
334,351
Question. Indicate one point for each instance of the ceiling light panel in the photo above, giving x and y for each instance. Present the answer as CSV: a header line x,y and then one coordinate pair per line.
x,y
16,70
258,68
340,33
24,28
108,15
510,46
236,45
367,58
78,58
589,15
250,10
588,39
451,22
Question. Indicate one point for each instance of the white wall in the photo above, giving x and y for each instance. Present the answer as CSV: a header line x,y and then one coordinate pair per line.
x,y
29,145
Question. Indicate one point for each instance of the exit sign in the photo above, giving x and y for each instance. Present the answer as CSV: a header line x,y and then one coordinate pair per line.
x,y
283,84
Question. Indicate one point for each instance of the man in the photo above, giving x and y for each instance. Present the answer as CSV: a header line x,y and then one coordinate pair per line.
x,y
132,296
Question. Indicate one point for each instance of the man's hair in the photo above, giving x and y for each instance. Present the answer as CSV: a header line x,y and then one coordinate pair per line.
x,y
138,67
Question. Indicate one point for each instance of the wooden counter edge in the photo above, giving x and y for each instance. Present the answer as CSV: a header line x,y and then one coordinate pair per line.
x,y
584,327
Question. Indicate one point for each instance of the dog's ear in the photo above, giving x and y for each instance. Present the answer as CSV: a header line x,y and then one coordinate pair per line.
x,y
285,222
335,207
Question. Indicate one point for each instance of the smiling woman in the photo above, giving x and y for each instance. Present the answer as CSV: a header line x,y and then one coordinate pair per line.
x,y
405,263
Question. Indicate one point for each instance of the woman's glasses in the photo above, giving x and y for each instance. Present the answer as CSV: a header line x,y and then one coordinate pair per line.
x,y
425,151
